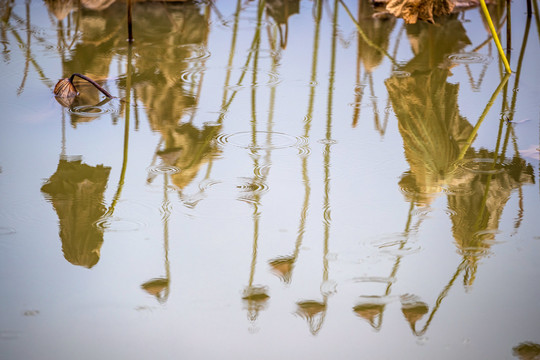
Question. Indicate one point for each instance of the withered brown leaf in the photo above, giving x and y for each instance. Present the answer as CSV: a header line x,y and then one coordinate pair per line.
x,y
65,89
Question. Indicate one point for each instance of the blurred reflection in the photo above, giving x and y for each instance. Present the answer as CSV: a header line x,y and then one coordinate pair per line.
x,y
255,297
527,351
168,76
427,110
61,8
76,193
377,31
437,143
371,311
159,287
435,139
187,148
477,197
314,311
169,48
280,11
283,266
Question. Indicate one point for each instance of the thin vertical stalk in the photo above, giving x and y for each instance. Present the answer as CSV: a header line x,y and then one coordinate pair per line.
x,y
495,37
231,52
27,54
482,116
364,36
121,180
508,29
129,21
440,299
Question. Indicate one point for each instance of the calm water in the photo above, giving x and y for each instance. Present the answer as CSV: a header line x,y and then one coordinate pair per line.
x,y
267,182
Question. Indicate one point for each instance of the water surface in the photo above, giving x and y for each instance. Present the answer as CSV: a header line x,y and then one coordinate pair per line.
x,y
268,182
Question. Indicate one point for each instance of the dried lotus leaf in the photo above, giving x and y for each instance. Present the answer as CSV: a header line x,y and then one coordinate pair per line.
x,y
65,89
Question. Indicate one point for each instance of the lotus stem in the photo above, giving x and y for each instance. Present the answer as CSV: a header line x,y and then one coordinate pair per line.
x,y
129,21
105,92
495,37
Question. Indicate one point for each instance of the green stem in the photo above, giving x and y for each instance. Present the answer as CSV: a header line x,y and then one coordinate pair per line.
x,y
495,37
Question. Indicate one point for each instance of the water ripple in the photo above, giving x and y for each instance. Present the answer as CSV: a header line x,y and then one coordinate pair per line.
x,y
197,52
469,58
261,140
192,75
163,169
118,224
375,279
90,110
4,230
400,74
481,166
264,78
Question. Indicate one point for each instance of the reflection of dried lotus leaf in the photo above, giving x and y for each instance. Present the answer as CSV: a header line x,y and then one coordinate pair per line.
x,y
369,311
313,312
65,89
527,351
414,311
310,308
255,293
76,193
378,31
60,8
155,286
282,267
97,4
413,10
433,131
158,287
255,298
281,10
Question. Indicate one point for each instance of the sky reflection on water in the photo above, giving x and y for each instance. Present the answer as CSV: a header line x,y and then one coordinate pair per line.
x,y
268,181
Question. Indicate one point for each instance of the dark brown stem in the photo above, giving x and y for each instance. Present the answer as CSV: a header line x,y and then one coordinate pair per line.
x,y
105,92
129,24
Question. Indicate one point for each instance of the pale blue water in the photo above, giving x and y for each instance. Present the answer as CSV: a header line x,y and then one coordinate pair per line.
x,y
255,194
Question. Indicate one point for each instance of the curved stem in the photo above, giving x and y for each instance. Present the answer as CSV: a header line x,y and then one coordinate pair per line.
x,y
105,92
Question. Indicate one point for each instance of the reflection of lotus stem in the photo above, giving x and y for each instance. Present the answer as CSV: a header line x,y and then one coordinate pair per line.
x,y
535,5
364,36
481,119
495,37
440,298
126,137
105,92
37,67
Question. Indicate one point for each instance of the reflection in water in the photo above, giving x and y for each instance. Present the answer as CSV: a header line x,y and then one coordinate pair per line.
x,y
436,137
477,199
280,10
376,32
169,63
76,193
159,287
371,310
437,140
255,297
314,311
527,351
283,266
187,148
